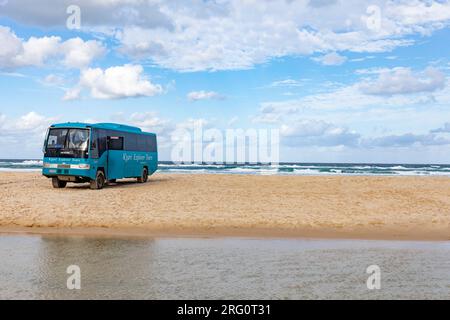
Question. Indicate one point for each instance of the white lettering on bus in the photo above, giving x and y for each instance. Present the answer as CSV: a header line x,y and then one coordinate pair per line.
x,y
126,157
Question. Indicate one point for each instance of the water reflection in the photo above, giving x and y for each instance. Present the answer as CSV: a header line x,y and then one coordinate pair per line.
x,y
35,267
109,267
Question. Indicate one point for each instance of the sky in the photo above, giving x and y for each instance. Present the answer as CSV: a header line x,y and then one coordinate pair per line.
x,y
342,81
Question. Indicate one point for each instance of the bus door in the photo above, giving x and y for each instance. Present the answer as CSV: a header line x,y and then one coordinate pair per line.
x,y
115,162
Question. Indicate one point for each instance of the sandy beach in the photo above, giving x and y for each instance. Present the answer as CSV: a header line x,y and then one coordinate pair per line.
x,y
365,207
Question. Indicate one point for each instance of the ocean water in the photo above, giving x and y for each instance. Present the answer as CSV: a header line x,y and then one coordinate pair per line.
x,y
35,267
280,169
20,164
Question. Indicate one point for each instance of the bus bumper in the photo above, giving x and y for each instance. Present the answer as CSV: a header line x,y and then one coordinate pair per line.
x,y
78,175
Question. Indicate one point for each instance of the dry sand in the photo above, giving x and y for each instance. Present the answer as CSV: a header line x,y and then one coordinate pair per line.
x,y
238,205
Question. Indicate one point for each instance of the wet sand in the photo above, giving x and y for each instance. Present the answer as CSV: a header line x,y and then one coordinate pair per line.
x,y
365,207
34,267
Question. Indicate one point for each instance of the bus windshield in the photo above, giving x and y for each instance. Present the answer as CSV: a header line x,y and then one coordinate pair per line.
x,y
69,142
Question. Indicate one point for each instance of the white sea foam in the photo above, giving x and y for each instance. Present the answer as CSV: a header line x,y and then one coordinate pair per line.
x,y
274,169
20,170
398,168
28,163
309,172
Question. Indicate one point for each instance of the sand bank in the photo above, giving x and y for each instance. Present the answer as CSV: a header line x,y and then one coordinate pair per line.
x,y
364,207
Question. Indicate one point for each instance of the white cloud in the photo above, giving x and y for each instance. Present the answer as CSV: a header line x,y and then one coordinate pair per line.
x,y
11,47
414,92
240,34
13,74
405,140
405,81
73,53
23,136
192,123
95,13
268,117
198,35
322,119
2,120
371,71
233,121
79,53
310,132
117,82
53,80
31,121
417,15
444,129
342,98
288,83
319,133
150,121
362,59
185,130
204,95
331,59
26,131
305,128
72,94
35,51
321,3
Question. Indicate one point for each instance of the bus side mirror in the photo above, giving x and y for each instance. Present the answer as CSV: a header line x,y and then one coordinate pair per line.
x,y
44,146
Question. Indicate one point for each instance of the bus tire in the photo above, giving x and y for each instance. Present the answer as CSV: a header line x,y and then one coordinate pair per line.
x,y
58,183
99,181
144,176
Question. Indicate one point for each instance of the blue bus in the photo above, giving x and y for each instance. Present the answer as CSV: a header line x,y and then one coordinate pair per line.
x,y
98,153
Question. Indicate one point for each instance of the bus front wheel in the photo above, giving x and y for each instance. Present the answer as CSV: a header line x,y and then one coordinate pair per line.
x,y
99,181
144,176
58,183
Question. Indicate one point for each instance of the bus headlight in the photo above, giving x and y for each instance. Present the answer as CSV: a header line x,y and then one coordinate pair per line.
x,y
50,165
84,166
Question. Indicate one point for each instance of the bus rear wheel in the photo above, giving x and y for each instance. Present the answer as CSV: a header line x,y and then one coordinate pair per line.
x,y
98,182
58,183
144,176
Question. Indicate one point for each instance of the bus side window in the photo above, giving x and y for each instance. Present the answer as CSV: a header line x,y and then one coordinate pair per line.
x,y
141,143
115,143
152,141
131,142
101,142
94,141
148,144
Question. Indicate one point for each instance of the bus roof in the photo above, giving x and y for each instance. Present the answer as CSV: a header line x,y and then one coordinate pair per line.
x,y
107,126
